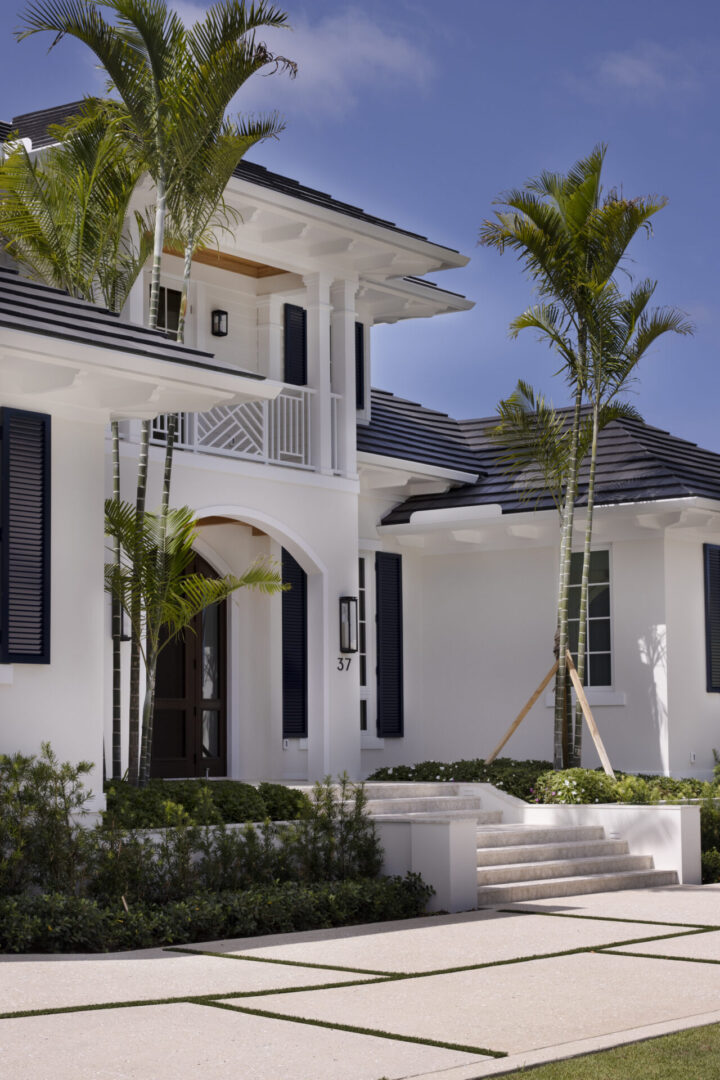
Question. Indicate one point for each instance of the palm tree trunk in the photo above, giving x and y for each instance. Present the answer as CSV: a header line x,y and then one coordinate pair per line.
x,y
584,587
134,732
116,625
187,270
147,719
160,210
563,587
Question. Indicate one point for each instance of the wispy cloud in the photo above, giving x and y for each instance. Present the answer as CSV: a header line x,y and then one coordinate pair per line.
x,y
649,73
340,57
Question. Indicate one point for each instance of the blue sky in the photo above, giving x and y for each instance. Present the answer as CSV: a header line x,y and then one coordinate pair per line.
x,y
424,113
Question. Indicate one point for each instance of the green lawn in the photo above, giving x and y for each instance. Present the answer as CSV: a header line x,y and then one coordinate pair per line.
x,y
689,1055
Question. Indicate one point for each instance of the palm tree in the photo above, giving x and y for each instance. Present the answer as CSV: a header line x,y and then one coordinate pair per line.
x,y
153,580
63,215
537,448
572,242
63,212
621,330
170,83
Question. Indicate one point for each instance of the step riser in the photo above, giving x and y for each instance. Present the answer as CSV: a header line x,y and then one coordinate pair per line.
x,y
500,875
427,805
515,835
411,790
534,853
489,896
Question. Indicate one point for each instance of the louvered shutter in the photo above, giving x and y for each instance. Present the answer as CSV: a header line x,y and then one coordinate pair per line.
x,y
711,553
359,366
295,345
388,598
294,649
24,537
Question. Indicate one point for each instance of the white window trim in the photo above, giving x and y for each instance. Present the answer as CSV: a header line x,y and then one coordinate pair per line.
x,y
600,696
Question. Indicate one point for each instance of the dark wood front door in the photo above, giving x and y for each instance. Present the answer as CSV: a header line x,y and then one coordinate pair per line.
x,y
190,723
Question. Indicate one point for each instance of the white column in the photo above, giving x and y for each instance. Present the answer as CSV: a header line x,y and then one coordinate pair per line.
x,y
270,336
342,343
318,362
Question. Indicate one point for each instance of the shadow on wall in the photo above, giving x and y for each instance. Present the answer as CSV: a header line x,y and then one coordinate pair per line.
x,y
653,654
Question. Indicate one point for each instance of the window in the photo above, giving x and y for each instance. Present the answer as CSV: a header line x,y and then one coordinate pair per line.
x,y
359,366
598,664
169,309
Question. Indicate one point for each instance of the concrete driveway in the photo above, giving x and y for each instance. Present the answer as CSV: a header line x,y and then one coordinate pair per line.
x,y
452,997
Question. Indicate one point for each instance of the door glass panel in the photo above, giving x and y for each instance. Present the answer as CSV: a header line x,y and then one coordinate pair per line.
x,y
211,654
210,733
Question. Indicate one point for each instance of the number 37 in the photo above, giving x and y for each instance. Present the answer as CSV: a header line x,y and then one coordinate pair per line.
x,y
343,663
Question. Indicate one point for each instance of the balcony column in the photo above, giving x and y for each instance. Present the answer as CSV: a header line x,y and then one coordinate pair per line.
x,y
270,336
342,343
317,303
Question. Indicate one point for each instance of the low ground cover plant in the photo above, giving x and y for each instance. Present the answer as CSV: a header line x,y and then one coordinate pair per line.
x,y
516,777
64,887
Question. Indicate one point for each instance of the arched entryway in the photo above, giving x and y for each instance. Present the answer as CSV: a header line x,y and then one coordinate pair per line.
x,y
190,723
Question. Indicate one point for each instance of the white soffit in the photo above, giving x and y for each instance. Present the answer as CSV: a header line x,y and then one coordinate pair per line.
x,y
45,372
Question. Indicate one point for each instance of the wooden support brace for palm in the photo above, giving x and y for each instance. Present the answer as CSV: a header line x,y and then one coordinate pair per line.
x,y
587,713
522,714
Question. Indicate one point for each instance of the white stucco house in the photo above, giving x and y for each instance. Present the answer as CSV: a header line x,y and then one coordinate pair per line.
x,y
285,451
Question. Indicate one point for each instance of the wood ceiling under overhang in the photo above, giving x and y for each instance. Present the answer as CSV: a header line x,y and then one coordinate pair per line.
x,y
235,264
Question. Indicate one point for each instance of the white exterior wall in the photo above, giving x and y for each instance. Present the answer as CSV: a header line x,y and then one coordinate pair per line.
x,y
315,519
62,702
694,713
478,640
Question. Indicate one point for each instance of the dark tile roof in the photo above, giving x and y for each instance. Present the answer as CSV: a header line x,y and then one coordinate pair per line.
x,y
403,429
636,463
34,125
39,309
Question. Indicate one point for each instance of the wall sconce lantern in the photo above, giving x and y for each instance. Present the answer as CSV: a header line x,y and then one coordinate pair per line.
x,y
348,624
219,323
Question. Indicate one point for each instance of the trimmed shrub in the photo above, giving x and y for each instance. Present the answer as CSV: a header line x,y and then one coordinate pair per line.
x,y
574,786
56,923
282,803
710,867
203,802
517,778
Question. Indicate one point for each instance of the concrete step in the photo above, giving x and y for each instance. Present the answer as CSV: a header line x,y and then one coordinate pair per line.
x,y
562,868
504,835
492,895
426,804
403,789
535,853
483,817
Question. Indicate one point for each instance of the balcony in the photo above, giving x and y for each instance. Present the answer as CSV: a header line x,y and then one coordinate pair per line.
x,y
277,432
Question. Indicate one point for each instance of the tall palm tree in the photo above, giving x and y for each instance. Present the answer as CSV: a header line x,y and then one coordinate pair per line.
x,y
153,586
63,216
621,330
571,242
169,81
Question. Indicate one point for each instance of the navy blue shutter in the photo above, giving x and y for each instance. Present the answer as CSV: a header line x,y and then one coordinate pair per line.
x,y
388,599
294,649
359,366
24,537
711,555
295,345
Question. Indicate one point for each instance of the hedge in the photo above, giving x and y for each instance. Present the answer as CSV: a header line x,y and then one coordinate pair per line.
x,y
58,923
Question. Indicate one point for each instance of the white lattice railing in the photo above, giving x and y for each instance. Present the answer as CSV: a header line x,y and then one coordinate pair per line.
x,y
275,432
